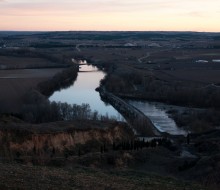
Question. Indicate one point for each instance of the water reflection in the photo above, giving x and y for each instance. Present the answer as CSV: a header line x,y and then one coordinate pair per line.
x,y
158,116
83,91
87,68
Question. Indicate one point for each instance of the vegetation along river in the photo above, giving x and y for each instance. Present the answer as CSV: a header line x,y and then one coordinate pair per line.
x,y
157,113
83,91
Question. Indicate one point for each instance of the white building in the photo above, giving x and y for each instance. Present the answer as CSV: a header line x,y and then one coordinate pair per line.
x,y
216,60
201,61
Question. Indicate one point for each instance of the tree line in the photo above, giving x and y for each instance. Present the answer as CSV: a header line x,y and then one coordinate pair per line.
x,y
38,109
135,85
60,81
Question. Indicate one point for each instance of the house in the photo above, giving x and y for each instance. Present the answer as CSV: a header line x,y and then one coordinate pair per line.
x,y
216,60
201,61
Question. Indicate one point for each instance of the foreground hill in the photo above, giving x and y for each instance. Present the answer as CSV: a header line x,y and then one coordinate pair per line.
x,y
85,154
14,176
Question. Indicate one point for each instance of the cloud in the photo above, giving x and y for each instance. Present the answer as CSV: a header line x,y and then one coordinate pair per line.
x,y
25,7
100,6
132,13
196,14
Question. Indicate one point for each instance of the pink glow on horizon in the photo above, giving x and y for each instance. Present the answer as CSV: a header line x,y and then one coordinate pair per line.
x,y
143,15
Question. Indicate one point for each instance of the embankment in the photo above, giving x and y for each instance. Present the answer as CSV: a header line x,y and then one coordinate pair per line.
x,y
24,141
141,124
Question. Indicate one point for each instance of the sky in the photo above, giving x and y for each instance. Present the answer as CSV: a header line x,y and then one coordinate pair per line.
x,y
110,15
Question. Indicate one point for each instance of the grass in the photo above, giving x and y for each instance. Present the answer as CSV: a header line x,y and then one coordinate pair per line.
x,y
14,176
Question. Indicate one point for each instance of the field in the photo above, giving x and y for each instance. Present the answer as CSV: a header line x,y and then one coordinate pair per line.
x,y
206,76
7,62
21,70
16,83
172,62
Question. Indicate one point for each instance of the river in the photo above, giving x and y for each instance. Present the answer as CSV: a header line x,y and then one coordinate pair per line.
x,y
83,91
157,113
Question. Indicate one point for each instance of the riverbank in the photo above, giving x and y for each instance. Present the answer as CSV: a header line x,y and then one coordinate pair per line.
x,y
15,84
22,69
140,123
94,146
59,81
83,91
47,142
193,119
186,118
158,113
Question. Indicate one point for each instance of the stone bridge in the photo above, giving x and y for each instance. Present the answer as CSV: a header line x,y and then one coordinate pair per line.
x,y
140,123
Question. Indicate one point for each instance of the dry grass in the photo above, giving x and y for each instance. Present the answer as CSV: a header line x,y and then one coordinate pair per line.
x,y
15,176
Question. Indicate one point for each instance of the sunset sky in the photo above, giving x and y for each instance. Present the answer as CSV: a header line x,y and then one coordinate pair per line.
x,y
144,15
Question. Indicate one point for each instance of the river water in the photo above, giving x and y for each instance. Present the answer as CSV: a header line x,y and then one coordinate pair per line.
x,y
83,91
158,115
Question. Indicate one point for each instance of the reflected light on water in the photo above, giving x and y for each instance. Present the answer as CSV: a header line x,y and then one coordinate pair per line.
x,y
87,68
158,116
83,91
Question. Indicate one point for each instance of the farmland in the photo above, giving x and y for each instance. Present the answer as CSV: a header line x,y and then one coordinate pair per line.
x,y
16,83
158,66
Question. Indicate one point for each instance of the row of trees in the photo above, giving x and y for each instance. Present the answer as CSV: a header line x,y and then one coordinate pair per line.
x,y
38,109
61,80
182,94
139,144
197,121
122,82
152,88
61,60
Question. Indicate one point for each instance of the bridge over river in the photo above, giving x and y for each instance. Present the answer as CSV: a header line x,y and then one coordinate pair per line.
x,y
140,123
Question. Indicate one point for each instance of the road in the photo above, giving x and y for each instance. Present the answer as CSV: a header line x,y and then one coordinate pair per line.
x,y
78,47
141,58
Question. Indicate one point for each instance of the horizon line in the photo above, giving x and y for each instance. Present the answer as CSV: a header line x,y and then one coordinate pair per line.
x,y
187,31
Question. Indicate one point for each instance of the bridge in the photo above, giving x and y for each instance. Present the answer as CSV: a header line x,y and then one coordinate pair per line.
x,y
139,122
